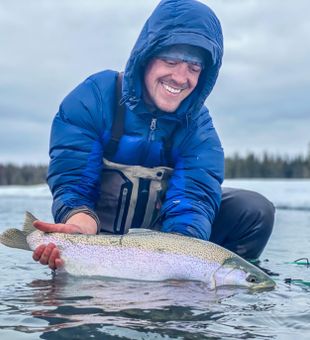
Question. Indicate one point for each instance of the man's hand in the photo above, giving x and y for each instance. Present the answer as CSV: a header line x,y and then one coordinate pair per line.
x,y
49,254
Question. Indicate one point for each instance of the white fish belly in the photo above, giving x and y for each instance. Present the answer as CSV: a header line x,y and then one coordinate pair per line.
x,y
136,264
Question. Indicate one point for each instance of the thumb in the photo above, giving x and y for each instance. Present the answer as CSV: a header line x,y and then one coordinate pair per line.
x,y
52,227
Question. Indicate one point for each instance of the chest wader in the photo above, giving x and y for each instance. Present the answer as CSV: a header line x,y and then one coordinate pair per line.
x,y
130,195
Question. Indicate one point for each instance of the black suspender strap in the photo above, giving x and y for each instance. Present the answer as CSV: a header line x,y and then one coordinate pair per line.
x,y
168,151
168,147
118,121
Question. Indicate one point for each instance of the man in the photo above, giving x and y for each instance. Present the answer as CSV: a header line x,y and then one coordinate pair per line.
x,y
158,161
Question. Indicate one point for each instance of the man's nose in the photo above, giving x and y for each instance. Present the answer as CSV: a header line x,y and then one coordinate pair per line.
x,y
181,73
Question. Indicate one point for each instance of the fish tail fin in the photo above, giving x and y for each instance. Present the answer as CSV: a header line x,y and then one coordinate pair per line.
x,y
28,227
14,238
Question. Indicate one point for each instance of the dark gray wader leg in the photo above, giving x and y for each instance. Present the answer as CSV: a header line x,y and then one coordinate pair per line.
x,y
244,222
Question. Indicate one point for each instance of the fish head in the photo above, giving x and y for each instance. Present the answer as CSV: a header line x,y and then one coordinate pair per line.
x,y
237,272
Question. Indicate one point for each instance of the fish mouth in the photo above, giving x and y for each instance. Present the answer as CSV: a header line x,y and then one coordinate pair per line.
x,y
266,282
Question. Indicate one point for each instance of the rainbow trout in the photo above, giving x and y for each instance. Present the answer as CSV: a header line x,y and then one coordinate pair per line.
x,y
143,255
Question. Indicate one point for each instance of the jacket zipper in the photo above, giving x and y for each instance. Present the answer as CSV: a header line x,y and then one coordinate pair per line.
x,y
153,126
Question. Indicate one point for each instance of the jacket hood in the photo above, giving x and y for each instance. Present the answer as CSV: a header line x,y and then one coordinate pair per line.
x,y
176,22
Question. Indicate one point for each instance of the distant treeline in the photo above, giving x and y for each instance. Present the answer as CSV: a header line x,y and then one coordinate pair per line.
x,y
249,166
267,166
22,175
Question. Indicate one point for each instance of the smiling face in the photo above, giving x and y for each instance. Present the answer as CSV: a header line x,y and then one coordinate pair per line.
x,y
168,82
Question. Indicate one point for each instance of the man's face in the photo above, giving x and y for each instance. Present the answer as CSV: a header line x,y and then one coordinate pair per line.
x,y
168,82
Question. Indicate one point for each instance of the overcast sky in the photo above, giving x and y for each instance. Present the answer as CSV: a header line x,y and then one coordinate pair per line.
x,y
260,102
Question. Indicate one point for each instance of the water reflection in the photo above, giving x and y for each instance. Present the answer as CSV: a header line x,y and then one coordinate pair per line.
x,y
64,307
80,308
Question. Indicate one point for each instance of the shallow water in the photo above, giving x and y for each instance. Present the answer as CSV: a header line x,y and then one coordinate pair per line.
x,y
36,305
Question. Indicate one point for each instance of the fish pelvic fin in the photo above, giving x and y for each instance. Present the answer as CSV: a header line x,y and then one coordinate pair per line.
x,y
14,238
28,227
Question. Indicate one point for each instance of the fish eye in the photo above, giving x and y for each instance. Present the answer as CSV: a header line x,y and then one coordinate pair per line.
x,y
252,278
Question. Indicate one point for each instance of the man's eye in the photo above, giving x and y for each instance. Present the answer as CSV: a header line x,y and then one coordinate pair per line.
x,y
170,62
194,68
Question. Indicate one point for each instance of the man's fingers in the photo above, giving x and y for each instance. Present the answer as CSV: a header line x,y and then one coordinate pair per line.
x,y
38,252
55,228
53,257
49,227
47,253
59,262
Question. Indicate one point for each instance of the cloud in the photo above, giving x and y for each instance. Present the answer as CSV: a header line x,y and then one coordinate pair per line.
x,y
259,103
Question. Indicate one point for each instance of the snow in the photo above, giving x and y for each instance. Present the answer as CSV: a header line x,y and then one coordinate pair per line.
x,y
284,193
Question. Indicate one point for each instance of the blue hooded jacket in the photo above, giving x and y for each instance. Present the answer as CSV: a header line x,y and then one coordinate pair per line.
x,y
82,127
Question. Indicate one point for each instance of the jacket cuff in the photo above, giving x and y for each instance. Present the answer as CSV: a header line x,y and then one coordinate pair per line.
x,y
196,226
85,210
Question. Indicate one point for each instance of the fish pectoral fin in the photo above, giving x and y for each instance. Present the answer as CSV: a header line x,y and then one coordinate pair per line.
x,y
14,238
28,227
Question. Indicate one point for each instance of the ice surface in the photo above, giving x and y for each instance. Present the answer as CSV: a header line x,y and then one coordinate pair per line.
x,y
284,193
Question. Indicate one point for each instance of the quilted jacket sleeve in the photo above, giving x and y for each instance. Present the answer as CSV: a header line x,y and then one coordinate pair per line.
x,y
76,151
194,193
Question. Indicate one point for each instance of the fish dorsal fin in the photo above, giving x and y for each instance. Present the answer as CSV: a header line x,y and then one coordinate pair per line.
x,y
28,227
14,238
